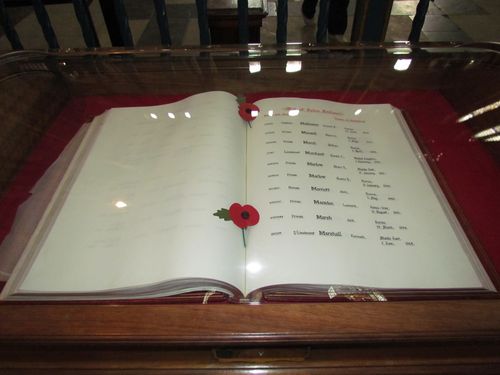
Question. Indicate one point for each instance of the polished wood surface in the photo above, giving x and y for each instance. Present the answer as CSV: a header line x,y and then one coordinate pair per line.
x,y
252,324
459,336
453,358
431,337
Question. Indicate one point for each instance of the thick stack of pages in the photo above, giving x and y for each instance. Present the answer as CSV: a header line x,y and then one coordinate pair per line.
x,y
344,195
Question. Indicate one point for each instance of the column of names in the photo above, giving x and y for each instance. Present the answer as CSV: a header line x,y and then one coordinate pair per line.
x,y
326,179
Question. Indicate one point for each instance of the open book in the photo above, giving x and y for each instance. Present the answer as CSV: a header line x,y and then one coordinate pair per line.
x,y
344,196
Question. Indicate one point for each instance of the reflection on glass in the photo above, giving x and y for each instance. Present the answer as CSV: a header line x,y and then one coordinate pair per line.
x,y
293,112
254,113
400,51
187,114
357,112
480,111
254,52
495,138
468,116
270,113
254,66
487,132
120,204
293,66
402,64
254,267
171,115
293,49
154,116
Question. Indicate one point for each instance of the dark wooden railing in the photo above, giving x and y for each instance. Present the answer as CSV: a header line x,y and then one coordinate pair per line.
x,y
370,22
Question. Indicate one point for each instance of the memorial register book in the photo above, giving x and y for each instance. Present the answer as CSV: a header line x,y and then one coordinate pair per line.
x,y
344,194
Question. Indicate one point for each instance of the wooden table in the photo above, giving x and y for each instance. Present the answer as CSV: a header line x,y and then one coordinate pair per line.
x,y
454,335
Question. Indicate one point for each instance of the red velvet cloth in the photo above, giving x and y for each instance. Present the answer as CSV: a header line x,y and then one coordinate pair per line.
x,y
469,172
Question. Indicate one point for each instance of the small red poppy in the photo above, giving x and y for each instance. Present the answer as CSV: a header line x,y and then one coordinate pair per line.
x,y
248,111
243,216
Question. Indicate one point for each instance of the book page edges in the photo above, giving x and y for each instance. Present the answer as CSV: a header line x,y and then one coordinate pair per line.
x,y
29,212
354,293
34,245
170,288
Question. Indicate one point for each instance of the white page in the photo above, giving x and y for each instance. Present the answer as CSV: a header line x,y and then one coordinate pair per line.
x,y
376,221
173,166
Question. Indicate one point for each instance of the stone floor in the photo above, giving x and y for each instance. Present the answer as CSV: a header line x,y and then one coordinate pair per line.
x,y
447,20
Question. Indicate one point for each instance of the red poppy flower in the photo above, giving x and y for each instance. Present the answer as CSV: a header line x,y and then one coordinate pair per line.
x,y
243,216
248,111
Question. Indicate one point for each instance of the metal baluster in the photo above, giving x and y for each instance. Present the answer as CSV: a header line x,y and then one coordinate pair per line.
x,y
86,24
161,18
321,32
201,7
281,31
9,29
125,32
243,21
44,21
371,20
418,21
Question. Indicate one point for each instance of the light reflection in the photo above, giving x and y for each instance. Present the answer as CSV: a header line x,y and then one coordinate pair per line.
x,y
466,117
292,49
270,113
402,64
154,116
495,138
254,66
254,52
171,115
187,114
254,267
358,111
293,66
293,112
400,51
480,111
121,204
487,132
254,113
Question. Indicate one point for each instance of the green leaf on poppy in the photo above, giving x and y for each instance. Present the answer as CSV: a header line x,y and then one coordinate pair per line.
x,y
241,99
223,214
